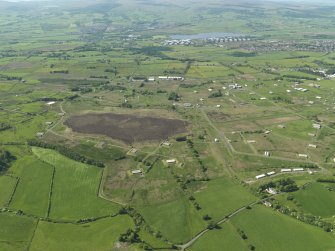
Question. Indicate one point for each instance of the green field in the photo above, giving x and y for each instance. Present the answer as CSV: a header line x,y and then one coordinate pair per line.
x,y
221,197
317,200
178,221
33,191
269,230
167,157
78,185
7,184
226,238
99,235
16,232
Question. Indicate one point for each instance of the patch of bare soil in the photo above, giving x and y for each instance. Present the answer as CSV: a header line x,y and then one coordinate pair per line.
x,y
126,127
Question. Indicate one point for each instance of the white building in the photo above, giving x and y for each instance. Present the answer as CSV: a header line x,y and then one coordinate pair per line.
x,y
316,126
271,190
171,161
261,176
286,170
136,171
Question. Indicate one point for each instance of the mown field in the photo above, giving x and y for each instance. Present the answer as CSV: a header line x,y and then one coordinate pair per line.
x,y
76,183
99,235
317,199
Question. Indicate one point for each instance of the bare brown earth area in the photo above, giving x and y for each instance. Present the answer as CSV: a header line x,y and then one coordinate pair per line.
x,y
126,127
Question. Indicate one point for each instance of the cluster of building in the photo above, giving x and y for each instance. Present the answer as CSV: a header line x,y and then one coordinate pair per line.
x,y
263,175
170,78
235,86
227,39
284,170
288,170
178,42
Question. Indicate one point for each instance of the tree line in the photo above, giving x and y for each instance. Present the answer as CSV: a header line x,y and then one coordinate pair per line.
x,y
68,152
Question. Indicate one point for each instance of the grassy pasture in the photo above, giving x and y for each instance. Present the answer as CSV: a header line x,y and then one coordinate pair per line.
x,y
269,230
178,221
15,232
317,200
7,184
226,238
221,197
32,193
75,185
100,235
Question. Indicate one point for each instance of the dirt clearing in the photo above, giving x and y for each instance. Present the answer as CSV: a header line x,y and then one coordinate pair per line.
x,y
126,127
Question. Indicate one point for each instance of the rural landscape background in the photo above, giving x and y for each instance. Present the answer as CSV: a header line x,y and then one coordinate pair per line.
x,y
167,125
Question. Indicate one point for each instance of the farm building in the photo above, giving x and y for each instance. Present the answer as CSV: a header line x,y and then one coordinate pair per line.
x,y
166,143
216,140
51,103
271,190
136,171
261,176
151,79
40,134
171,161
271,173
251,141
312,146
302,155
298,169
316,126
286,170
266,153
170,78
268,204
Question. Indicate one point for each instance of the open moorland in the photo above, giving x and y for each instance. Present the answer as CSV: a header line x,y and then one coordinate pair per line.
x,y
184,125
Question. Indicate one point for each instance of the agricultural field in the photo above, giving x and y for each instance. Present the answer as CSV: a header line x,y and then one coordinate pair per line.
x,y
143,125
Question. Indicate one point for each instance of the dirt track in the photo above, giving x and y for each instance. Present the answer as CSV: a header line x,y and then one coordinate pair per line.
x,y
125,127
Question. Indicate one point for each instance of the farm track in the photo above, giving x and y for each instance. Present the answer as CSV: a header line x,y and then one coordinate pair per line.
x,y
232,150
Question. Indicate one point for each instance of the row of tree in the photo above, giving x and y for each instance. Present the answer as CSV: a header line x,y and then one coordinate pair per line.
x,y
68,152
